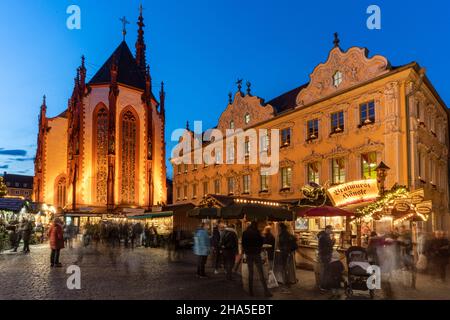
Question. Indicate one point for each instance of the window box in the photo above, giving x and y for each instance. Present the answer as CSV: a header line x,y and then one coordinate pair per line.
x,y
245,193
231,194
264,191
282,190
367,122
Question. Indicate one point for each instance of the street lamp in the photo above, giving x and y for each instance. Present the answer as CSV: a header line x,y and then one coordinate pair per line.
x,y
382,170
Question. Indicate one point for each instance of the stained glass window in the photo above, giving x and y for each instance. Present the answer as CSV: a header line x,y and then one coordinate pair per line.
x,y
61,193
129,163
101,165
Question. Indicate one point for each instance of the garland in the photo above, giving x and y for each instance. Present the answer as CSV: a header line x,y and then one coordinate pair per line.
x,y
396,192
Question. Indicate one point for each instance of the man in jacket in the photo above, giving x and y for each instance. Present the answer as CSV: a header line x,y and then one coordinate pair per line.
x,y
201,249
287,244
27,229
56,237
325,253
229,245
215,244
252,242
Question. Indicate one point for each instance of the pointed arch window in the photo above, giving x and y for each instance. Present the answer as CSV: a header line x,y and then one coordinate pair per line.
x,y
61,193
101,155
128,158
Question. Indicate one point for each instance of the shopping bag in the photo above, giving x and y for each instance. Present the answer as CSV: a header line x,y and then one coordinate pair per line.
x,y
272,281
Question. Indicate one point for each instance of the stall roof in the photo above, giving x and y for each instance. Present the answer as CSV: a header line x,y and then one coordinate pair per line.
x,y
154,215
12,204
324,211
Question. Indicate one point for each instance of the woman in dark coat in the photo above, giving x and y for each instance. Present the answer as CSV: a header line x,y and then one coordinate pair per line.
x,y
56,237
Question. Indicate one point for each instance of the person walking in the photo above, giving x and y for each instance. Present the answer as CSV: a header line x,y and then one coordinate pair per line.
x,y
325,253
252,242
287,244
440,255
201,249
269,240
27,230
56,237
230,247
215,244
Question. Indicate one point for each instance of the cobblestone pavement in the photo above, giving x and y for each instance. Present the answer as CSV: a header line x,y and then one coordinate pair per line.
x,y
146,274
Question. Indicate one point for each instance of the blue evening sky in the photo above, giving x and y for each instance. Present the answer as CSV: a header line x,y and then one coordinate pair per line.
x,y
199,48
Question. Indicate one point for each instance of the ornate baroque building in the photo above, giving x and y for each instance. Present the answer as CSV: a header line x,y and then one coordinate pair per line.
x,y
355,112
107,149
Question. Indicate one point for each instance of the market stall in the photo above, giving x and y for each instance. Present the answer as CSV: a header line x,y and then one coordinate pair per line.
x,y
240,211
162,221
310,221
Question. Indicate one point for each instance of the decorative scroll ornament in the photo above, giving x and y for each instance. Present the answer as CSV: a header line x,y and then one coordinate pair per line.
x,y
354,67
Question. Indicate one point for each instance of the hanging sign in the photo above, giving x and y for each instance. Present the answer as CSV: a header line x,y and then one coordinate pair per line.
x,y
417,196
424,207
353,192
402,205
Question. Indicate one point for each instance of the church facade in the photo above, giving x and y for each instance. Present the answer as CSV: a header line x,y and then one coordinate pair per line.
x,y
106,151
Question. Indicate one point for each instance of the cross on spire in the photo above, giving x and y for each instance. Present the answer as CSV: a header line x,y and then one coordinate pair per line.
x,y
124,26
336,40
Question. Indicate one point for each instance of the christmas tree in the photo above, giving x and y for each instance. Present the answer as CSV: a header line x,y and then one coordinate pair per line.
x,y
3,188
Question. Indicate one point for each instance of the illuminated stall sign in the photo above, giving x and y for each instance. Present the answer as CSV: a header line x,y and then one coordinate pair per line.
x,y
353,192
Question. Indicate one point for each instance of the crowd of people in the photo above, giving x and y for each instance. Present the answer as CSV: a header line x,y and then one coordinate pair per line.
x,y
131,235
395,251
222,246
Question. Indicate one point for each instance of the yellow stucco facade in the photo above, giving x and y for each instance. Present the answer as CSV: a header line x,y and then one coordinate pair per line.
x,y
352,115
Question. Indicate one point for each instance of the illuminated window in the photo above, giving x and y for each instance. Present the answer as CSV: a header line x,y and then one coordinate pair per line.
x,y
313,172
264,182
128,159
186,168
178,193
337,78
264,143
194,191
338,170
231,185
286,178
230,154
247,148
337,122
285,137
185,192
205,188
369,165
101,147
247,118
231,124
217,186
313,129
61,196
367,113
246,184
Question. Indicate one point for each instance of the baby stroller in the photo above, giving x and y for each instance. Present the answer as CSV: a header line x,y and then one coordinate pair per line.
x,y
357,263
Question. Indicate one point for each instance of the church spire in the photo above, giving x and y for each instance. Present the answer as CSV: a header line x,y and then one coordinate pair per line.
x,y
140,43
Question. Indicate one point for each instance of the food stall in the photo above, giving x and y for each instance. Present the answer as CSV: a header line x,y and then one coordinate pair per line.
x,y
311,221
162,221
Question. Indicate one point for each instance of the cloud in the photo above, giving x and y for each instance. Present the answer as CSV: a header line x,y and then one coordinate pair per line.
x,y
4,167
18,153
22,159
